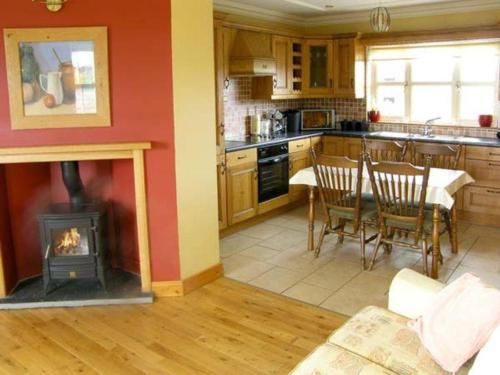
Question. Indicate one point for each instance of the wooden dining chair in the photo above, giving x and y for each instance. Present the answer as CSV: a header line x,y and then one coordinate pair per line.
x,y
340,198
441,155
381,150
399,190
444,157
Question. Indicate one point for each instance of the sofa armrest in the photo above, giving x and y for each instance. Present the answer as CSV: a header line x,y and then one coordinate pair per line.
x,y
411,292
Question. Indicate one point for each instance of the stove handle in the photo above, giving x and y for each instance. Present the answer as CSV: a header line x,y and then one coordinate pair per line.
x,y
47,252
270,161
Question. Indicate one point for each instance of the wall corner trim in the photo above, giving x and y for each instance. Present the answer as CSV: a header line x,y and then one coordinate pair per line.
x,y
179,288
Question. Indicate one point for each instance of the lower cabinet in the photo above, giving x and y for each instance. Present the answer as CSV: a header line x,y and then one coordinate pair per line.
x,y
242,193
482,200
297,161
352,148
333,146
222,190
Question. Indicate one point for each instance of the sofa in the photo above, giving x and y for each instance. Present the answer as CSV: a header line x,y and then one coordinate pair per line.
x,y
378,340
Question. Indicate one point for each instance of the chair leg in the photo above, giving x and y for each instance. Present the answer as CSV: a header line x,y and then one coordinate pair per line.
x,y
424,256
362,235
320,240
388,246
447,222
378,242
341,229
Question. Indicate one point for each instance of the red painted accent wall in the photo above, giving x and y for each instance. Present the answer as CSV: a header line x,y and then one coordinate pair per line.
x,y
141,99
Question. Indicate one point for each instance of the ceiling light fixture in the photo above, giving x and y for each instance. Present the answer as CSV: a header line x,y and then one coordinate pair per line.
x,y
52,5
380,19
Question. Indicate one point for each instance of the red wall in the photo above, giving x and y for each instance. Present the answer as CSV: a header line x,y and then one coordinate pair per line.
x,y
141,99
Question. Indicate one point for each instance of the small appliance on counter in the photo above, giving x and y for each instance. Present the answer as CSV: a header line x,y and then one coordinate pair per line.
x,y
292,121
278,122
354,125
317,119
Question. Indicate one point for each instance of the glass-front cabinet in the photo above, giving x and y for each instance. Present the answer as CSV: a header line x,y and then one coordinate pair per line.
x,y
318,67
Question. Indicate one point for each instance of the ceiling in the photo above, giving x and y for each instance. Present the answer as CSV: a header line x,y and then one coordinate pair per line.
x,y
342,11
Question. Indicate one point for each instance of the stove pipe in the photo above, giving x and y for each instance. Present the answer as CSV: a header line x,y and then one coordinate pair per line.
x,y
73,182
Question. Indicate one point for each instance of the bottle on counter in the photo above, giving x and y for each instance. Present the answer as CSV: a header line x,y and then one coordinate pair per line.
x,y
255,128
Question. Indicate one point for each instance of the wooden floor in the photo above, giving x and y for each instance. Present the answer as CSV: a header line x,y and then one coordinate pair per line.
x,y
223,328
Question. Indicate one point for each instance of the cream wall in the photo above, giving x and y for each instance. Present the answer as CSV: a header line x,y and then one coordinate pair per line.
x,y
194,121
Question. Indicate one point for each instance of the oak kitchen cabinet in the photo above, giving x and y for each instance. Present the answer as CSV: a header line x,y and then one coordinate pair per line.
x,y
352,148
299,158
223,38
482,198
318,68
287,82
333,146
222,191
348,68
242,193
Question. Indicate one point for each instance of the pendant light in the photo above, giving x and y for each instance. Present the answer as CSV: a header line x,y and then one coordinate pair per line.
x,y
380,19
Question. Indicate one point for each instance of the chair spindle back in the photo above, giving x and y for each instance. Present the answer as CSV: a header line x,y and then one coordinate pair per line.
x,y
338,183
399,190
442,156
380,150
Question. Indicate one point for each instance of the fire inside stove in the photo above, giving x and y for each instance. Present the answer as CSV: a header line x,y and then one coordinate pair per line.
x,y
69,242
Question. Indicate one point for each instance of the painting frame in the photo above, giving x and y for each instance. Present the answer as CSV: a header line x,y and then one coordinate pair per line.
x,y
13,38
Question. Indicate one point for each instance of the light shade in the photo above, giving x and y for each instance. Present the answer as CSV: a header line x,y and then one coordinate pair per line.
x,y
380,19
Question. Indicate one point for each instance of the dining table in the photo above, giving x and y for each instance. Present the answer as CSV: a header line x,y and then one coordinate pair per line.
x,y
443,185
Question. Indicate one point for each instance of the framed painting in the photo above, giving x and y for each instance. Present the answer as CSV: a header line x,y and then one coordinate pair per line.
x,y
58,77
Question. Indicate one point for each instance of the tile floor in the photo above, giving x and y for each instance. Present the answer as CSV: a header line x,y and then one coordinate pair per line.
x,y
273,256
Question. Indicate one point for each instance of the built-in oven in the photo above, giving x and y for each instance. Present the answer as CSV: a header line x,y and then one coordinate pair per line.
x,y
272,171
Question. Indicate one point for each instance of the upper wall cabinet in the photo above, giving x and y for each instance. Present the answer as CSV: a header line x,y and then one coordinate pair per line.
x,y
349,68
223,40
318,68
287,82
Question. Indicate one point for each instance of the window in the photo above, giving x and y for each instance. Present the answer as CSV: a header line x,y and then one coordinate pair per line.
x,y
456,83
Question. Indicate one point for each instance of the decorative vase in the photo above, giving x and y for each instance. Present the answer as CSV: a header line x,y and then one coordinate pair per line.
x,y
485,121
68,81
30,69
374,116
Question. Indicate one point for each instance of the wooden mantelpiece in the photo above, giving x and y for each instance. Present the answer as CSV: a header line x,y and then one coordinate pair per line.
x,y
110,151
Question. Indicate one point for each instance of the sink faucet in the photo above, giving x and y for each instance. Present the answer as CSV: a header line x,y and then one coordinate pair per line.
x,y
427,128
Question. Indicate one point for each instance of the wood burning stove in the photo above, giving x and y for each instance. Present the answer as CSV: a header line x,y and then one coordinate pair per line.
x,y
73,236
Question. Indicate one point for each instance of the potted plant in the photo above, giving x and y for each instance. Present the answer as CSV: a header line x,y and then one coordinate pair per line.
x,y
485,121
374,115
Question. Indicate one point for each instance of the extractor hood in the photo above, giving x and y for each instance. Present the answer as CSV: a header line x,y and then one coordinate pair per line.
x,y
252,55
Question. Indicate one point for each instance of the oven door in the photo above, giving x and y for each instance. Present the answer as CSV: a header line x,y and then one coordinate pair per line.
x,y
273,177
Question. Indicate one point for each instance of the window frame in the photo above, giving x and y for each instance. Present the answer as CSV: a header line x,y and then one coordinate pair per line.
x,y
456,85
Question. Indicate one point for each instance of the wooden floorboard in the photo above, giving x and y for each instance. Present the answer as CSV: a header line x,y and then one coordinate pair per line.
x,y
222,328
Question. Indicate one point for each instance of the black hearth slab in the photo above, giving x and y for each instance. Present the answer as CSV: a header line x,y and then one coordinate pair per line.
x,y
122,288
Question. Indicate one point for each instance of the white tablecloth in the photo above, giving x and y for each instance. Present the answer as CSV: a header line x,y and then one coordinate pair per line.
x,y
442,185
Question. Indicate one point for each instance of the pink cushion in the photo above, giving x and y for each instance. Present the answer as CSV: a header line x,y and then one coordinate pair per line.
x,y
459,322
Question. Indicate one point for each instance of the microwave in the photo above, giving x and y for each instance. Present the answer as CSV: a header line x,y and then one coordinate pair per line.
x,y
317,119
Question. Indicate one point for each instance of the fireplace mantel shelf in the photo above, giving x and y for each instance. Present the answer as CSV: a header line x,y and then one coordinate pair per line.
x,y
100,151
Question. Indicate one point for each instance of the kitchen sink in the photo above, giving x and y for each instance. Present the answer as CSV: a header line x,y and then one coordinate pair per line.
x,y
386,134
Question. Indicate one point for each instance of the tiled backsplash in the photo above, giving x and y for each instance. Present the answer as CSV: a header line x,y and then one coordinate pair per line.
x,y
239,105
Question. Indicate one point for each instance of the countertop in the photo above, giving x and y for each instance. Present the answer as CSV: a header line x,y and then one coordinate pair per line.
x,y
250,142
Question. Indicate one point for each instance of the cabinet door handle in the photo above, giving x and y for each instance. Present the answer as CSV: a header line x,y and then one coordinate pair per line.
x,y
226,83
255,173
494,164
494,154
222,129
264,66
290,166
242,157
223,168
493,191
275,83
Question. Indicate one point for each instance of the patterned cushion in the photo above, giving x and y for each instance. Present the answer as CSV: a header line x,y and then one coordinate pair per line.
x,y
332,360
384,338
